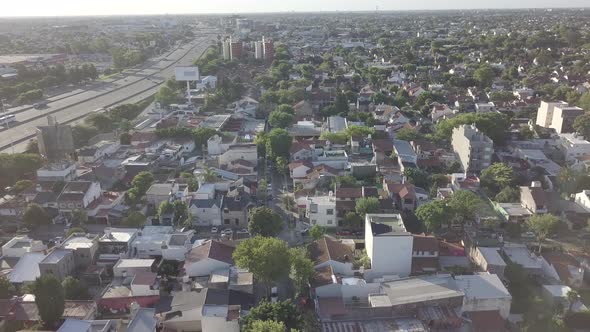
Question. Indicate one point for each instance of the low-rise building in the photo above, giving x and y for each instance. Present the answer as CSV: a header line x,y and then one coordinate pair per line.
x,y
574,146
58,263
18,246
208,257
534,198
321,210
386,234
128,267
84,247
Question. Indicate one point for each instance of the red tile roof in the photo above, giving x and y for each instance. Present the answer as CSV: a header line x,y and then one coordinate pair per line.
x,y
211,249
425,243
349,193
326,249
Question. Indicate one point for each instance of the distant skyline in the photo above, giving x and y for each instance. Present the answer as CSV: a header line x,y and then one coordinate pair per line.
x,y
152,7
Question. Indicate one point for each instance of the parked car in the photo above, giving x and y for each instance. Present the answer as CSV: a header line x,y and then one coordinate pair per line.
x,y
214,229
227,231
274,294
528,235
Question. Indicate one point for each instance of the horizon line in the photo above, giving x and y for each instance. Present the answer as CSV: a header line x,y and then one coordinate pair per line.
x,y
298,12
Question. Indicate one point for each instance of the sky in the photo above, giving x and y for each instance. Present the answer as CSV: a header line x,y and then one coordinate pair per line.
x,y
149,7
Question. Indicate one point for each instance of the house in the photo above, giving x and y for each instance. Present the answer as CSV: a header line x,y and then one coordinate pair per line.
x,y
235,209
218,144
303,110
386,234
20,245
321,210
78,195
425,254
247,152
206,211
246,107
483,292
90,154
58,263
336,124
556,297
473,148
512,212
534,198
384,113
348,194
563,267
406,155
298,170
208,257
121,294
115,244
520,254
160,192
84,247
406,196
58,171
161,241
574,146
337,254
27,268
128,267
488,259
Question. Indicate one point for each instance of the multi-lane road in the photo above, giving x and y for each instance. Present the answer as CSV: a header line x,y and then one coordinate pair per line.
x,y
132,86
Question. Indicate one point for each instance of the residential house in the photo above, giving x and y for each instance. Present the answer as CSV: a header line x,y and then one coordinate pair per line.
x,y
129,267
236,206
406,155
90,154
386,234
303,110
208,257
247,152
20,245
160,192
337,254
206,211
59,263
574,147
142,289
115,244
321,210
78,195
520,254
534,198
84,247
26,269
488,259
218,144
425,252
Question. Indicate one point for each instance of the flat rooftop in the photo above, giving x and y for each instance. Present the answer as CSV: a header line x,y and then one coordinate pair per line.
x,y
492,256
21,244
56,255
78,242
132,263
416,290
386,224
521,255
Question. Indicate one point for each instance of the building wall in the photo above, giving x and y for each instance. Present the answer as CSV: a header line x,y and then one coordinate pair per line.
x,y
389,254
207,216
325,215
474,155
235,218
204,267
247,153
61,269
216,324
501,304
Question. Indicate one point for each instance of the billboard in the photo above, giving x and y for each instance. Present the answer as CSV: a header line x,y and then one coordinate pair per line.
x,y
187,73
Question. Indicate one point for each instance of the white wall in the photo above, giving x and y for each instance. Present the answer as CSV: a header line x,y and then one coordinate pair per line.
x,y
392,255
204,267
501,304
218,324
208,217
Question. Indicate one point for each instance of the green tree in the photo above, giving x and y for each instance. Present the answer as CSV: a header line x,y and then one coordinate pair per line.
x,y
353,220
568,179
572,298
75,230
265,326
484,75
508,195
135,219
22,185
285,312
278,143
282,164
280,119
125,139
416,177
264,222
464,204
302,269
79,217
582,125
49,298
166,96
165,208
74,290
433,214
366,205
316,232
6,288
408,134
345,181
496,177
35,215
285,108
100,121
266,258
180,211
142,181
201,135
584,102
542,225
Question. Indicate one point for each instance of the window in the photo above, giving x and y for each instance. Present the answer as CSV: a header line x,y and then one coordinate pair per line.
x,y
226,221
237,221
330,212
330,222
313,221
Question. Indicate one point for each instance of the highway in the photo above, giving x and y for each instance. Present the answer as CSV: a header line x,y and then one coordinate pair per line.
x,y
134,85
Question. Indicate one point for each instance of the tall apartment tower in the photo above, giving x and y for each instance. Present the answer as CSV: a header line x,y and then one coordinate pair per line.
x,y
258,50
55,141
226,49
268,49
473,148
236,49
558,115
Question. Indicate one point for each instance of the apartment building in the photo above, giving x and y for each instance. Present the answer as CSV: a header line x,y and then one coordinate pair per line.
x,y
389,245
473,148
321,210
558,115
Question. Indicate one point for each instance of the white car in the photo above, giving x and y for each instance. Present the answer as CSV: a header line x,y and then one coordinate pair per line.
x,y
274,294
528,235
213,229
227,231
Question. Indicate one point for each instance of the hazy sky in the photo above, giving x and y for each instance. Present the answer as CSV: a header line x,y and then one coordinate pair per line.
x,y
139,7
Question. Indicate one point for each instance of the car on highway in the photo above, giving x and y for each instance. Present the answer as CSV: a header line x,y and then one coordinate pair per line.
x,y
40,105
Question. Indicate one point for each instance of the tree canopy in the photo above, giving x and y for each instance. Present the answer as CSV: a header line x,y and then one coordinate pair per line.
x,y
496,177
49,297
278,143
74,290
266,257
302,268
35,215
135,219
366,205
265,222
284,312
542,225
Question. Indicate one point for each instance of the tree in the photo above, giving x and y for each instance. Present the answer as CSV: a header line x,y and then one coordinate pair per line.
x,y
6,288
484,75
542,225
142,182
125,139
180,211
100,121
353,220
302,268
265,326
267,258
285,108
366,205
407,134
135,219
508,195
282,164
582,125
416,177
166,96
496,177
165,208
464,205
433,214
73,289
572,298
201,135
79,217
75,230
35,215
264,222
49,298
278,143
22,185
288,202
316,232
345,181
280,119
285,312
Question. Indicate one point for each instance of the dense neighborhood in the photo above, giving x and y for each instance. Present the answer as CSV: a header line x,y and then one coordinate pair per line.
x,y
368,171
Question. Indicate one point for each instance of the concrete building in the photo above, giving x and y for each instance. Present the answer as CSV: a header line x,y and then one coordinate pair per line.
x,y
269,50
55,141
488,259
574,146
558,115
131,267
389,245
534,198
18,246
484,292
321,210
63,171
84,247
258,50
473,148
78,195
226,50
58,263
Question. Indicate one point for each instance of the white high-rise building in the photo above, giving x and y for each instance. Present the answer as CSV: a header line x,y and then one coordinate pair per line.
x,y
258,50
226,49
